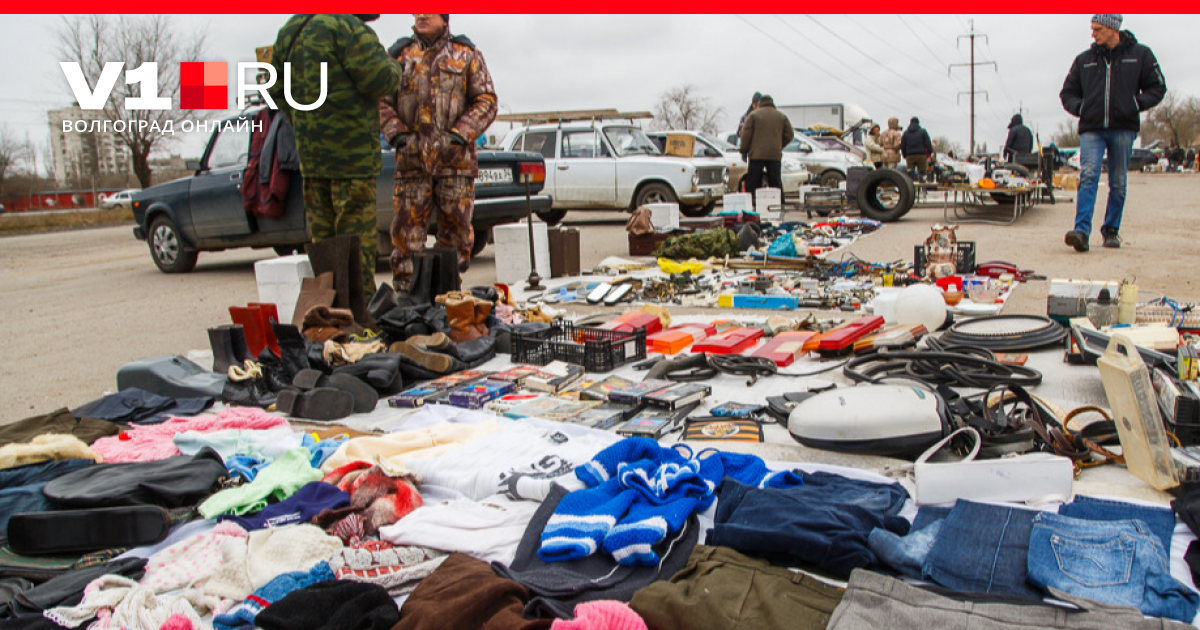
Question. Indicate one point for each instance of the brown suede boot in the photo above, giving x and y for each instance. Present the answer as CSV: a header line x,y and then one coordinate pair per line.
x,y
483,309
460,310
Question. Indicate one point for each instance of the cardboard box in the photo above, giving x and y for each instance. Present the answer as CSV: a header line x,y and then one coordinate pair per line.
x,y
512,251
680,145
564,252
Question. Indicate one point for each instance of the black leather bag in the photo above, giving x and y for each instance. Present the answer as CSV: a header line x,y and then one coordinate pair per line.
x,y
179,481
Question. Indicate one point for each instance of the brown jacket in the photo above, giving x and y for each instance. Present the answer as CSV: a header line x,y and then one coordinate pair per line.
x,y
890,141
766,132
445,87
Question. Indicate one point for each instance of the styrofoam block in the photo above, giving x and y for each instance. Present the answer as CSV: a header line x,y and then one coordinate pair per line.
x,y
279,280
738,202
664,215
764,198
283,269
512,251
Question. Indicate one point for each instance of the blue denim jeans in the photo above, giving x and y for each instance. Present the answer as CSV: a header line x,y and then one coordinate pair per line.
x,y
1161,521
982,548
1115,562
1092,147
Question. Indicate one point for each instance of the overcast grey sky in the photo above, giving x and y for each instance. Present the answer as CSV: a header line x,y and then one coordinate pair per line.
x,y
891,65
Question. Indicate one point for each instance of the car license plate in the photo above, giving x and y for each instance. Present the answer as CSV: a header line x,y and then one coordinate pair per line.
x,y
488,176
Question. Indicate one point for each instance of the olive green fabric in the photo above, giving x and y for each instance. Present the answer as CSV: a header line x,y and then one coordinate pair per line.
x,y
716,243
87,429
339,139
721,589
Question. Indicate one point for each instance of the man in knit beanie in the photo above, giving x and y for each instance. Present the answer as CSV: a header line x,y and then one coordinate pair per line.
x,y
1108,87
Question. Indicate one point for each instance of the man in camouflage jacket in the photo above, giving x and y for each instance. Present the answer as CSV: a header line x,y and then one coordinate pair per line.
x,y
445,101
338,141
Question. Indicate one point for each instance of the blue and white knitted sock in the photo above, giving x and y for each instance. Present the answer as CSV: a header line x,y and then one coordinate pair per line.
x,y
604,464
581,521
631,543
242,614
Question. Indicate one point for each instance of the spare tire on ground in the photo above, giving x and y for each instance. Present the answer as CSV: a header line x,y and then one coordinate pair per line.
x,y
885,195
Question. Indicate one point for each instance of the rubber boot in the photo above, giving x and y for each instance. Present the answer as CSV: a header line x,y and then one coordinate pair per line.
x,y
293,349
270,316
222,348
237,337
252,321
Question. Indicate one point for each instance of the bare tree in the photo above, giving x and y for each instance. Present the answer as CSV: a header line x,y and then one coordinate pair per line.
x,y
1067,134
1176,120
93,40
944,145
12,152
683,109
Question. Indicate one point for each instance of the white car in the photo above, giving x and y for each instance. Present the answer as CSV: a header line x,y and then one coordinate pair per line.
x,y
792,172
613,165
828,167
123,199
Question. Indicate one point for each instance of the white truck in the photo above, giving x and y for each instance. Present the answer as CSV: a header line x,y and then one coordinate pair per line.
x,y
836,115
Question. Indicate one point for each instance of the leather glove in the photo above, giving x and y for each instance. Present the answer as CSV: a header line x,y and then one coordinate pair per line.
x,y
400,140
457,139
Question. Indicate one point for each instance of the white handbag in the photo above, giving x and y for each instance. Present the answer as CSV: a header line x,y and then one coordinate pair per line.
x,y
1028,478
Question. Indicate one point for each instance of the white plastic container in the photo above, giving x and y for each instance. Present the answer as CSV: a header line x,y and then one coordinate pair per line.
x,y
884,304
279,280
512,251
664,216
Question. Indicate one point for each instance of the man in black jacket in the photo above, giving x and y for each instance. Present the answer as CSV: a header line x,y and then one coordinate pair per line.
x,y
1109,85
1020,139
916,147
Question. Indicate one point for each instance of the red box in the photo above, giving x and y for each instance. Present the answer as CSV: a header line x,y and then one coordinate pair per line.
x,y
785,347
729,342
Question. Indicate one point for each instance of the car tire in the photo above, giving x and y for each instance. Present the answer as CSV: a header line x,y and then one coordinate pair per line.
x,y
901,200
831,179
654,192
695,212
552,217
482,236
168,250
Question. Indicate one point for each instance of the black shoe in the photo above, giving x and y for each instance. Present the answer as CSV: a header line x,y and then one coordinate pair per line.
x,y
1112,240
247,387
365,397
1078,240
322,403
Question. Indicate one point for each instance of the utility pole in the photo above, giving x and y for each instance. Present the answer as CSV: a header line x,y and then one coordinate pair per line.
x,y
973,36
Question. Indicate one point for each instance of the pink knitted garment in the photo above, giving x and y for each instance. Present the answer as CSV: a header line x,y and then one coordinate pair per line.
x,y
601,615
177,622
155,442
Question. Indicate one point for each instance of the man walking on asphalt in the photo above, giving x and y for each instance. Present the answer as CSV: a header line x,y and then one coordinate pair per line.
x,y
916,147
445,102
1108,87
766,132
1020,139
338,141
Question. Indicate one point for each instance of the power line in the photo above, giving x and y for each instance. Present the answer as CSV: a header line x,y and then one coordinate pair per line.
x,y
856,89
856,48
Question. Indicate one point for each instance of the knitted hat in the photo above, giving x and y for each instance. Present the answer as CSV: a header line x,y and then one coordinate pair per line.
x,y
1110,20
243,613
602,615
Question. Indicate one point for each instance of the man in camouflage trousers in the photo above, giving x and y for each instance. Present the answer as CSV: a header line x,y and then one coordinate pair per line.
x,y
445,101
338,141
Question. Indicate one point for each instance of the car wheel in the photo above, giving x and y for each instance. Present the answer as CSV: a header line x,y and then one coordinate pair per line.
x,y
885,195
168,249
654,192
552,217
483,235
696,212
831,179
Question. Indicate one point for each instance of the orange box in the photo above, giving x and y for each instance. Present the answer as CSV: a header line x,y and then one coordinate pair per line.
x,y
670,341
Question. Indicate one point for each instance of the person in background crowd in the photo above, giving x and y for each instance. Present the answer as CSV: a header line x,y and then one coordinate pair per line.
x,y
890,141
338,142
1108,87
445,102
1020,139
1177,158
749,110
874,149
766,132
1189,159
917,148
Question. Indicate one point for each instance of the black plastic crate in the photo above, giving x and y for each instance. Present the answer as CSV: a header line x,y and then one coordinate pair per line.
x,y
964,259
597,350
